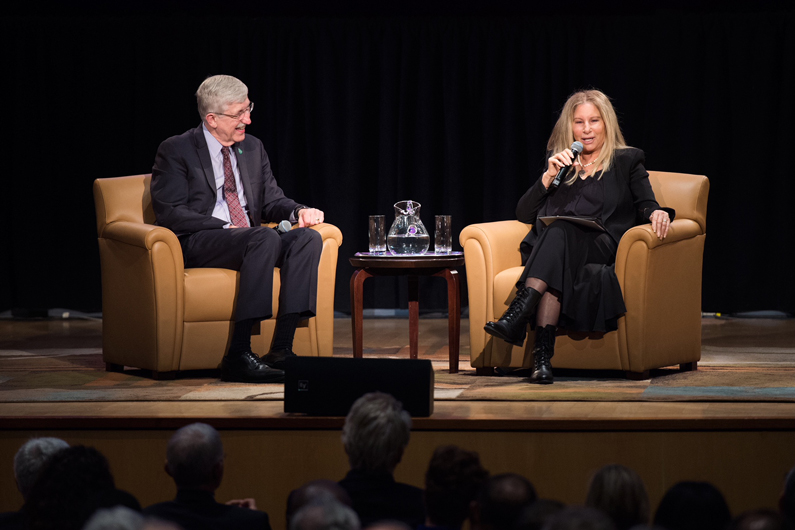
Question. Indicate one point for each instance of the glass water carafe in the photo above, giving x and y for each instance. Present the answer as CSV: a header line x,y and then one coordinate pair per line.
x,y
408,235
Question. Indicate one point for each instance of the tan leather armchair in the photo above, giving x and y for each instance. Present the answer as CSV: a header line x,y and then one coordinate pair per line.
x,y
660,281
160,316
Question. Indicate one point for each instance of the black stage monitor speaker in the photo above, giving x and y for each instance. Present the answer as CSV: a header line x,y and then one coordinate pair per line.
x,y
327,386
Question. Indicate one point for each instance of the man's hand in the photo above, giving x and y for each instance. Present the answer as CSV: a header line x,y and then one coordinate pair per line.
x,y
310,217
249,504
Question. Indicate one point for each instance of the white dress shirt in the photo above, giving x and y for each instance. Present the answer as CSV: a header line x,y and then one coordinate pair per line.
x,y
221,209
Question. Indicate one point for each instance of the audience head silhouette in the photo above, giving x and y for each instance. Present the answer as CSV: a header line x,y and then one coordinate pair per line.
x,y
70,488
620,493
195,457
325,515
535,516
759,520
692,506
502,500
579,518
375,433
195,460
123,518
31,459
314,492
118,518
452,482
787,501
389,524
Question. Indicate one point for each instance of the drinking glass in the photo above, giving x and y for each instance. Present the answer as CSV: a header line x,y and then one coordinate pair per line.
x,y
377,234
443,242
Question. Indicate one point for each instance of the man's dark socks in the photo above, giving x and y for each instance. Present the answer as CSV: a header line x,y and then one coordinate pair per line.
x,y
241,338
285,331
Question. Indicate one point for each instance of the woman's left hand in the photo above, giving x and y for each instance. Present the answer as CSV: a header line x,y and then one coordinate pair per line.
x,y
660,223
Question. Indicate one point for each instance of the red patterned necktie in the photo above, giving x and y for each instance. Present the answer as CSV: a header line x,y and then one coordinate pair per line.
x,y
230,192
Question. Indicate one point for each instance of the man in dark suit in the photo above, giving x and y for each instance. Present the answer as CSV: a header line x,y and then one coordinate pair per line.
x,y
195,460
213,187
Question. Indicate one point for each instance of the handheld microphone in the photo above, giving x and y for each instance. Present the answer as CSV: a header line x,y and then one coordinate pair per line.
x,y
283,227
576,148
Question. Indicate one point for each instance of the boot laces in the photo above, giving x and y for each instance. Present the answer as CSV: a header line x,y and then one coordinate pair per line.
x,y
516,307
541,358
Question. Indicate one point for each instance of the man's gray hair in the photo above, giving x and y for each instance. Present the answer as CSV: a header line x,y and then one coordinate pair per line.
x,y
376,432
193,451
327,515
118,518
216,93
31,459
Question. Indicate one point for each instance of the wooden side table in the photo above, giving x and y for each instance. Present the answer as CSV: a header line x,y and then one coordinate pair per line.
x,y
430,264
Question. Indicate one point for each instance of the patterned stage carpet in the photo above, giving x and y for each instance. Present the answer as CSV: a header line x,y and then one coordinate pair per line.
x,y
80,376
745,361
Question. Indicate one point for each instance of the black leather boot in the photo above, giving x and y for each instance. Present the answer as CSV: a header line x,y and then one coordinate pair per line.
x,y
542,353
512,325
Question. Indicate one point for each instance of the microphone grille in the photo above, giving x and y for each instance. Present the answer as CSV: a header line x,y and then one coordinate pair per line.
x,y
577,148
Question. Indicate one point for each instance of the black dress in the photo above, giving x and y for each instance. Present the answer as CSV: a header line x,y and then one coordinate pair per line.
x,y
577,262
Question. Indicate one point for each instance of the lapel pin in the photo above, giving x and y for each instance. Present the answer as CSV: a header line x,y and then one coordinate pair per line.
x,y
239,151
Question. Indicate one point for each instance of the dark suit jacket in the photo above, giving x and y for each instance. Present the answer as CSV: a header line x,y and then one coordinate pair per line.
x,y
183,184
197,510
629,199
376,496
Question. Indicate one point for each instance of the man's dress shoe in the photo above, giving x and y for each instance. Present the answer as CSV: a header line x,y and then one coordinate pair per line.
x,y
276,358
248,368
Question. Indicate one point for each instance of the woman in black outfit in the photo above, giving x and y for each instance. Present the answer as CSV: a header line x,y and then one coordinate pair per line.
x,y
569,273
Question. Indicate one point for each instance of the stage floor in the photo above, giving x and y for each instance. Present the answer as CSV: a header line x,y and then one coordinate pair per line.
x,y
745,448
725,342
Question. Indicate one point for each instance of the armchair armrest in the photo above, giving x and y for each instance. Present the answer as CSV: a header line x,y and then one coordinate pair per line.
x,y
498,243
326,277
667,272
329,231
679,230
142,293
139,234
489,248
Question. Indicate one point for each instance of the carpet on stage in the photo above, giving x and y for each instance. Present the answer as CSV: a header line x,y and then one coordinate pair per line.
x,y
78,375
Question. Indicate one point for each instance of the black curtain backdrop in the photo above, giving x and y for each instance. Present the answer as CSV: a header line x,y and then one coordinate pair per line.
x,y
361,108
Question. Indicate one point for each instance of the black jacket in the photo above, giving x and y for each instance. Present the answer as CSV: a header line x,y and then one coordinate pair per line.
x,y
198,510
629,199
376,496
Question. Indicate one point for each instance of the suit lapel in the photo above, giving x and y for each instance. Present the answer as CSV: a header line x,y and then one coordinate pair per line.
x,y
204,157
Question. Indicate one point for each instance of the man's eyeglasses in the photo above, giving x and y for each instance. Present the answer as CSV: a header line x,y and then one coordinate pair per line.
x,y
238,116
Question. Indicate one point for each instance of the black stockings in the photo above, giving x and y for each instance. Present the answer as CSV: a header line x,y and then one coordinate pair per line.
x,y
548,310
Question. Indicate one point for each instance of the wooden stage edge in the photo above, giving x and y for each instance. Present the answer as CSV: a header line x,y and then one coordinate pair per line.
x,y
447,416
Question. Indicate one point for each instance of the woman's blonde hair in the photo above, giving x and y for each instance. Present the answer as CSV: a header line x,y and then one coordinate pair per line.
x,y
563,132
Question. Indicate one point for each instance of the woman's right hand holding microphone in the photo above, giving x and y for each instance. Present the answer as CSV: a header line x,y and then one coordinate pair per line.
x,y
556,162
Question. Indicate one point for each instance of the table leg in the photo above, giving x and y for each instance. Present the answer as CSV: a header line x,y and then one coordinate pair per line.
x,y
414,317
357,320
454,315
